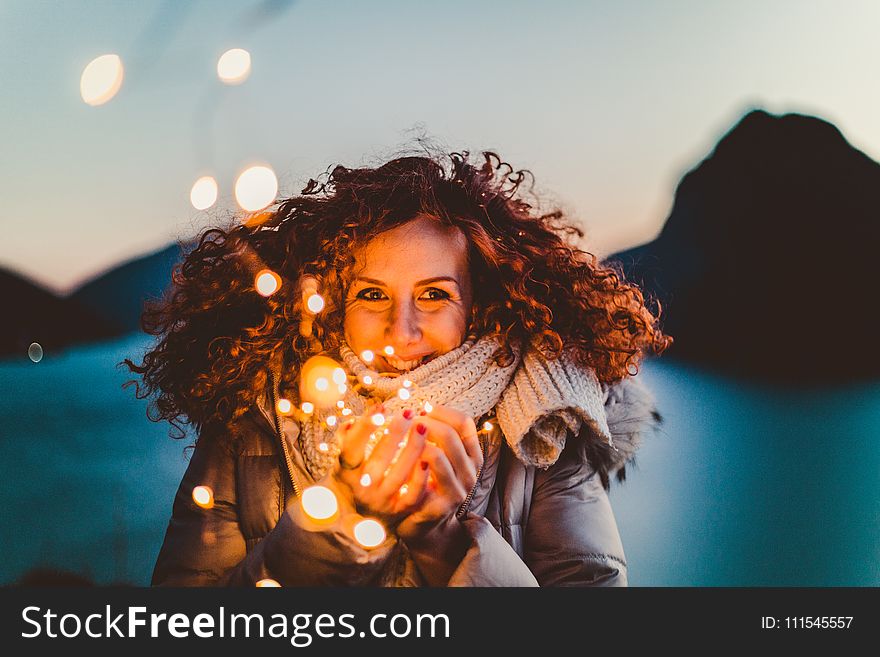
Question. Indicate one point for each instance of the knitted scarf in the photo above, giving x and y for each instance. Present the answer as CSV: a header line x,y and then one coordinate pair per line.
x,y
537,401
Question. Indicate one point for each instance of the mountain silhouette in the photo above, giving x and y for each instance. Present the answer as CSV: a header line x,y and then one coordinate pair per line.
x,y
765,267
34,314
118,295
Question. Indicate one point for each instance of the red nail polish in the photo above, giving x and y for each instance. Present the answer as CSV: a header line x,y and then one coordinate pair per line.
x,y
424,465
422,412
408,413
422,429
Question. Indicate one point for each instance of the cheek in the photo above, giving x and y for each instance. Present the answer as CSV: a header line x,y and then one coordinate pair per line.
x,y
360,329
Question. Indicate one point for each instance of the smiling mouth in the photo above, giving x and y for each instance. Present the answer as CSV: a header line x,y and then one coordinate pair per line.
x,y
405,365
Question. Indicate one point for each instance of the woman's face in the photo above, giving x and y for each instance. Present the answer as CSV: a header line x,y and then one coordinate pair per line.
x,y
411,291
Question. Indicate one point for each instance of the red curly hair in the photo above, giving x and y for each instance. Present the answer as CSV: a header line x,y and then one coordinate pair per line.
x,y
218,337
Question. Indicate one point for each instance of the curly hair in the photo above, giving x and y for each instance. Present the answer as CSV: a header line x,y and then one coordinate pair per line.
x,y
218,338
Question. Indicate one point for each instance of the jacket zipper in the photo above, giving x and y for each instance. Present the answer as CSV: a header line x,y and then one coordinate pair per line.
x,y
284,448
467,501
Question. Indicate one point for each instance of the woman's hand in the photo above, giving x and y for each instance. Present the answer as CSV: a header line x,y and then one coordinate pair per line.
x,y
379,487
454,458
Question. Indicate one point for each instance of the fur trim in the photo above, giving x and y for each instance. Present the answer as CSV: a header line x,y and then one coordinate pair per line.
x,y
631,411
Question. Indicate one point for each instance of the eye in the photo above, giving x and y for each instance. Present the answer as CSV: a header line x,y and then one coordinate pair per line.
x,y
370,294
436,294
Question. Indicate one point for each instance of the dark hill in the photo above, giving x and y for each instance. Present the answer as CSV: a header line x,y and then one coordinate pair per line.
x,y
766,266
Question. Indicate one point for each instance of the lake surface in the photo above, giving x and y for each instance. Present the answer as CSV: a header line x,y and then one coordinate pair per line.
x,y
743,486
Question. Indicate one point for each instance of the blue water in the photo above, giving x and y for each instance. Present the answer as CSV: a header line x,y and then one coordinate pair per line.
x,y
744,486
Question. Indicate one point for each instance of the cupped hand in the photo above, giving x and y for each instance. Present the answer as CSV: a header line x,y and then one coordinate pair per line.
x,y
381,485
454,458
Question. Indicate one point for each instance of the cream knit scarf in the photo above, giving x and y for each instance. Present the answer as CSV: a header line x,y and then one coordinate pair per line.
x,y
537,401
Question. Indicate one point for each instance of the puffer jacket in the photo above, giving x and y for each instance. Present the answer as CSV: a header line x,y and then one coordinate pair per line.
x,y
526,526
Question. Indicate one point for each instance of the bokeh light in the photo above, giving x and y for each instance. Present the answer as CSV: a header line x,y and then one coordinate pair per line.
x,y
367,356
203,496
369,533
284,406
267,282
314,381
319,502
101,79
256,188
203,193
315,303
308,408
234,66
268,583
35,352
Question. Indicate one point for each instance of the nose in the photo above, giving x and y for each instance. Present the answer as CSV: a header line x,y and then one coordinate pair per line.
x,y
403,325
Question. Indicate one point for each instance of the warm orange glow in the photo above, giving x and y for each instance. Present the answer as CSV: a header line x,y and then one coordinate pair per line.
x,y
369,533
101,79
203,496
487,426
319,503
284,406
203,193
268,583
256,188
267,282
315,378
234,66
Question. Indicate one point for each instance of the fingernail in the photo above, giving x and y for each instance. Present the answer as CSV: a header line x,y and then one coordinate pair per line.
x,y
422,429
424,465
407,414
422,412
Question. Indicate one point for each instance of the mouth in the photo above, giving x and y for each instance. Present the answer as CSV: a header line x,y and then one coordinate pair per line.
x,y
402,365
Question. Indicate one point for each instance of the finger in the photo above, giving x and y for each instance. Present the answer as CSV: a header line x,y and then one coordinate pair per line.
x,y
450,442
411,491
463,425
409,456
355,435
444,476
388,446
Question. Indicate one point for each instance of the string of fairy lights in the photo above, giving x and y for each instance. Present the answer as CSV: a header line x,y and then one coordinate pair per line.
x,y
323,381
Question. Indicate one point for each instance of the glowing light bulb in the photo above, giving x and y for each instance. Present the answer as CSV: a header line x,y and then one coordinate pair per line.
x,y
369,533
203,496
267,282
308,408
340,404
368,380
346,411
339,376
319,502
256,188
366,480
378,419
268,583
389,350
203,193
487,426
331,421
403,490
427,407
284,406
324,447
407,383
315,303
101,80
316,384
234,66
35,352
403,393
367,356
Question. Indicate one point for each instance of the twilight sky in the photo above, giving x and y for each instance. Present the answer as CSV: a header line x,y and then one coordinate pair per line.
x,y
608,103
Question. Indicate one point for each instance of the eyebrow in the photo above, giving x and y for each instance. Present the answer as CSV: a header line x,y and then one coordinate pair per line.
x,y
426,281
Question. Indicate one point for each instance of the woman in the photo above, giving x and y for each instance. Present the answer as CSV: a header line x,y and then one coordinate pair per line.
x,y
522,346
